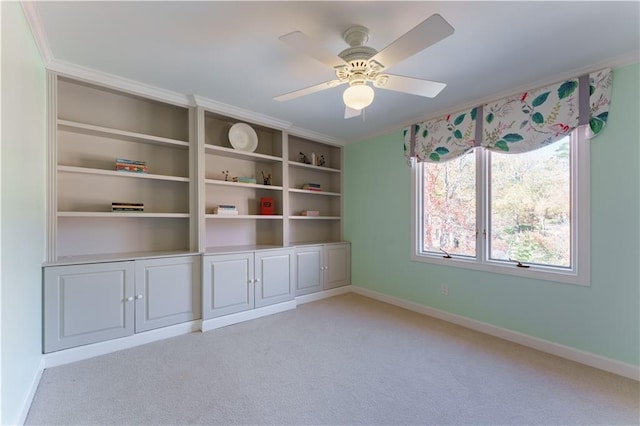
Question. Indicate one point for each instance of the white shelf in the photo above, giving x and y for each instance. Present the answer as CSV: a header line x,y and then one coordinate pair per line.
x,y
113,257
124,214
314,217
241,185
102,172
241,155
306,191
242,216
312,167
90,129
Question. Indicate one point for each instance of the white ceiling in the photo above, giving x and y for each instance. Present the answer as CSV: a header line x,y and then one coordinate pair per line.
x,y
229,52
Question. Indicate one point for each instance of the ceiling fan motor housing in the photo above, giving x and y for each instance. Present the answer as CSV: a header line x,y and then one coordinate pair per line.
x,y
359,68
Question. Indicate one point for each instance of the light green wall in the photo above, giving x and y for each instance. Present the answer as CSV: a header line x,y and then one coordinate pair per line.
x,y
603,319
22,211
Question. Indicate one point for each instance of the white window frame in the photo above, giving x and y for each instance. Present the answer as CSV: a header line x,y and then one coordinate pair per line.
x,y
580,271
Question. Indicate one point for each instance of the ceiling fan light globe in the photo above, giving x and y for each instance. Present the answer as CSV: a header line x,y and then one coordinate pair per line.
x,y
358,96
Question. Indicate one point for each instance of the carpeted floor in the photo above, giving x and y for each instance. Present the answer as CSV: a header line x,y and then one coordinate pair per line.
x,y
340,361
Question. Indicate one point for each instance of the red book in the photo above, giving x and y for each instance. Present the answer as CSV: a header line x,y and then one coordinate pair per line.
x,y
266,205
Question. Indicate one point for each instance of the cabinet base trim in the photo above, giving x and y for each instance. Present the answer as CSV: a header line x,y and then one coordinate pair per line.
x,y
212,324
79,353
312,297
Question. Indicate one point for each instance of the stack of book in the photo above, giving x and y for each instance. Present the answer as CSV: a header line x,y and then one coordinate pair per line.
x,y
225,209
313,213
243,179
127,207
312,187
124,165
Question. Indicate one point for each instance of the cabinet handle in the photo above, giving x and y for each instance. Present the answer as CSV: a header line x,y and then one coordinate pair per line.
x,y
139,296
130,299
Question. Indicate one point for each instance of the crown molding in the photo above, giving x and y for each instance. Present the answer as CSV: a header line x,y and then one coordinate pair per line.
x,y
239,113
91,75
613,63
318,137
33,19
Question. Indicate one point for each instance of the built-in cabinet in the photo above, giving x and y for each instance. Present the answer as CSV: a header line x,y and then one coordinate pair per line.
x,y
88,303
238,282
172,258
322,267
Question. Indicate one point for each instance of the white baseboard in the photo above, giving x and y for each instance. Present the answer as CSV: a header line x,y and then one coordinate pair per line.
x,y
587,358
26,405
212,324
307,298
79,353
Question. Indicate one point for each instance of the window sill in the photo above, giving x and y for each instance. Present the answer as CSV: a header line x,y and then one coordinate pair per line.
x,y
533,272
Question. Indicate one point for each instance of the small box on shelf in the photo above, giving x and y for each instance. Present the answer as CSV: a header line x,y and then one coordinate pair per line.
x,y
244,179
225,209
310,213
267,206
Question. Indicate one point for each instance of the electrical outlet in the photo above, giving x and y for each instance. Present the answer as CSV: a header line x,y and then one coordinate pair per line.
x,y
444,289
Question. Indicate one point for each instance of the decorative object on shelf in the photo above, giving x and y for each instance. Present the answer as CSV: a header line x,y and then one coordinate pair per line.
x,y
225,209
226,175
266,206
124,165
304,159
312,187
266,180
314,160
243,137
244,179
312,213
127,207
321,161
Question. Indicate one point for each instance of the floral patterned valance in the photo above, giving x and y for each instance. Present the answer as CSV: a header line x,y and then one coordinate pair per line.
x,y
516,124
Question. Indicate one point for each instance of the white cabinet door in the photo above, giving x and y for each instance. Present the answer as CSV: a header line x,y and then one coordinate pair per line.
x,y
309,268
274,277
337,265
87,303
167,291
227,284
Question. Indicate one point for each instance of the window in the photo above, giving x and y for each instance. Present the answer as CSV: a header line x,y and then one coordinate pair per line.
x,y
523,214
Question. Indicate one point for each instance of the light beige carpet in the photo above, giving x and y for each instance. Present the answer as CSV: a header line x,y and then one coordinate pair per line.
x,y
340,361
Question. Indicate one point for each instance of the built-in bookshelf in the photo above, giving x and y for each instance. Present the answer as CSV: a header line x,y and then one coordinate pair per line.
x,y
222,165
325,173
95,126
186,168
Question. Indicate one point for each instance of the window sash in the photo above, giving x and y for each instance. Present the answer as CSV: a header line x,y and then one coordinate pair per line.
x,y
579,271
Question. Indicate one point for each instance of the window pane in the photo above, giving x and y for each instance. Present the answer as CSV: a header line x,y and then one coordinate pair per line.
x,y
530,206
449,210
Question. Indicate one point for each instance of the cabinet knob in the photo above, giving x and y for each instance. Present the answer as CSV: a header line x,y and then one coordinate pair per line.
x,y
139,296
250,281
257,280
130,299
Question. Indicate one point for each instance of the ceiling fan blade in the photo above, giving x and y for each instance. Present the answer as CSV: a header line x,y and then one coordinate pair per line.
x,y
413,86
429,32
309,90
350,112
304,44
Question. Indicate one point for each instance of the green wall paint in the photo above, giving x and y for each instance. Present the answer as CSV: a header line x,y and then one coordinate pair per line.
x,y
603,319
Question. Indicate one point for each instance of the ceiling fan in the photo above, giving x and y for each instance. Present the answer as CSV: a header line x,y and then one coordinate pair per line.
x,y
359,64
